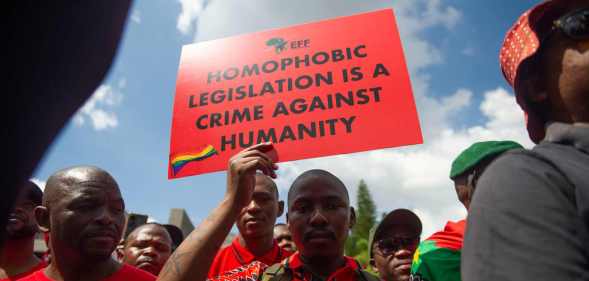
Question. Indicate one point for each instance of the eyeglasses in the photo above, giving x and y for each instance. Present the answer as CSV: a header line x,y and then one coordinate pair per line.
x,y
574,25
389,246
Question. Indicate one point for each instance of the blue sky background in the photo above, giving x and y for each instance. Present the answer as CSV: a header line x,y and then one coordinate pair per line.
x,y
452,50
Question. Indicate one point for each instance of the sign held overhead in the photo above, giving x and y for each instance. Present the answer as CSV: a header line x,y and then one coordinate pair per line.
x,y
318,89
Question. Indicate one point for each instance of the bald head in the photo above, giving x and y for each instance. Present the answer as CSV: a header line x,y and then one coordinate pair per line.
x,y
84,211
262,179
316,175
32,192
63,181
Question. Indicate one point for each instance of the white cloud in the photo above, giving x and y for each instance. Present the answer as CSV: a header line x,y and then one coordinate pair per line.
x,y
188,17
39,183
136,16
223,18
413,177
98,110
417,177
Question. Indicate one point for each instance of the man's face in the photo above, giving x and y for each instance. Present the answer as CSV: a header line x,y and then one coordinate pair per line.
x,y
258,218
148,248
284,238
463,190
88,219
319,218
393,252
564,72
21,222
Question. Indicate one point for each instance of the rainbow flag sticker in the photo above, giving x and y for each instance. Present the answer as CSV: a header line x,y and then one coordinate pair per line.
x,y
180,160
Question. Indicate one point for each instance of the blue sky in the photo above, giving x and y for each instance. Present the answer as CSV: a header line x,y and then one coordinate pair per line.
x,y
452,51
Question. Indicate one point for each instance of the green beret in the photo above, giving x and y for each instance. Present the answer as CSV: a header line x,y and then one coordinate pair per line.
x,y
478,152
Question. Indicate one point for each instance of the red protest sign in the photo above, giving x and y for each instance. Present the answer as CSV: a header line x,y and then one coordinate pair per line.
x,y
330,87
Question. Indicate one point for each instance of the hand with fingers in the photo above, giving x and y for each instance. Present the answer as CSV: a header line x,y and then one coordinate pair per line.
x,y
242,169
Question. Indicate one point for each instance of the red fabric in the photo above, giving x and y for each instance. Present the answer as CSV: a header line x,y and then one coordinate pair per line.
x,y
126,273
250,271
522,42
349,272
235,256
451,237
42,264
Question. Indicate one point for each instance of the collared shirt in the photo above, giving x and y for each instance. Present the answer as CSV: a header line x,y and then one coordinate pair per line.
x,y
349,272
125,273
238,259
529,218
438,257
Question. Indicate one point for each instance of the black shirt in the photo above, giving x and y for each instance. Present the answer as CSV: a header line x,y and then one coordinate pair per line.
x,y
529,218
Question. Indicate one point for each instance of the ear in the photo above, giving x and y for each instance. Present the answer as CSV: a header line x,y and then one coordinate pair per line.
x,y
352,217
280,208
42,217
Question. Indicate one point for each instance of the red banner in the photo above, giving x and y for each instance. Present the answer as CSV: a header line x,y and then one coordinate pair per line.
x,y
330,87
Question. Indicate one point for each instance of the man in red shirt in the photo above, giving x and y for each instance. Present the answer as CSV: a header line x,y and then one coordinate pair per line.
x,y
84,210
255,223
17,259
319,218
147,247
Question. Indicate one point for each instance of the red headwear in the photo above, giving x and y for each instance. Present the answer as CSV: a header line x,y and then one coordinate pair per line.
x,y
522,42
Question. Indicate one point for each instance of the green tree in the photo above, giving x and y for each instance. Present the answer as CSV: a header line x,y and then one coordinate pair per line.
x,y
357,243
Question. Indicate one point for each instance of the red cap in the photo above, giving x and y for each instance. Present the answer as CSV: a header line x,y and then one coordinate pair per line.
x,y
522,42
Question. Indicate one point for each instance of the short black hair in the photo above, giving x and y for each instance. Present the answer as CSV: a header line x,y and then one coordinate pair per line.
x,y
176,234
33,192
316,173
145,224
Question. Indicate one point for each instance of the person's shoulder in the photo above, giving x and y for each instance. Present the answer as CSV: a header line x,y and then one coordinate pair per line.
x,y
223,261
517,163
131,273
34,276
224,250
277,271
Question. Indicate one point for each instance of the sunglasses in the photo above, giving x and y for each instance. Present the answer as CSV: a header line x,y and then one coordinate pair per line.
x,y
574,25
389,246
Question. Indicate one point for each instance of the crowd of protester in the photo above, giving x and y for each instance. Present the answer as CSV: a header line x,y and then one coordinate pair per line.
x,y
528,209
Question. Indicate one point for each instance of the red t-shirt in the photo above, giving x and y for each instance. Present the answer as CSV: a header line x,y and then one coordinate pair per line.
x,y
42,264
349,272
126,273
236,258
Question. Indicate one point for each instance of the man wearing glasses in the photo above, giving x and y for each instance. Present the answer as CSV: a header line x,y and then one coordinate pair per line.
x,y
392,244
529,219
438,257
